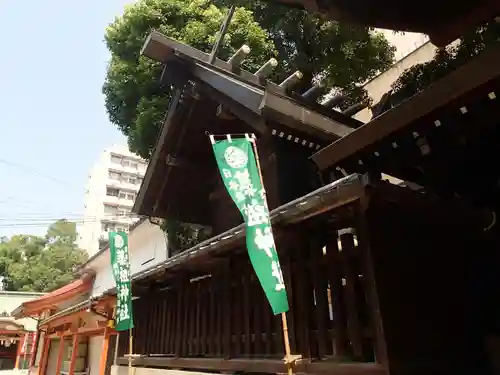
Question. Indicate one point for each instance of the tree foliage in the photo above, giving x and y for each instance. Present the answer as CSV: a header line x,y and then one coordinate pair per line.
x,y
468,46
345,56
41,264
134,99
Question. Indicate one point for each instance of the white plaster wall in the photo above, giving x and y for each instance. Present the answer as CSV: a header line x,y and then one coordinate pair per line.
x,y
405,42
147,248
381,84
94,354
9,301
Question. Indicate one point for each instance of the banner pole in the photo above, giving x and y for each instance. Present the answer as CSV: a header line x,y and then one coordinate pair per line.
x,y
130,351
288,355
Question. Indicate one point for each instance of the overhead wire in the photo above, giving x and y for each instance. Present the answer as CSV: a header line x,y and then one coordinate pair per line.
x,y
38,219
33,171
48,223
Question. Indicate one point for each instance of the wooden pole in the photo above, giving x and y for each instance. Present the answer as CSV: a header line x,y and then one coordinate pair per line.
x,y
288,355
117,341
130,342
222,33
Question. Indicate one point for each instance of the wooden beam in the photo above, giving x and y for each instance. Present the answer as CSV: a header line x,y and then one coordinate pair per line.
x,y
259,365
179,161
95,331
446,33
74,351
475,73
71,318
104,353
105,302
156,157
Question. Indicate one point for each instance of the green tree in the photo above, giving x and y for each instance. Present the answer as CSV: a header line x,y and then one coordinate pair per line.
x,y
134,99
41,264
343,55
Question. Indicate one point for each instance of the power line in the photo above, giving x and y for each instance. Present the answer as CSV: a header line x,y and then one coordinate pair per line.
x,y
34,171
68,217
49,223
45,224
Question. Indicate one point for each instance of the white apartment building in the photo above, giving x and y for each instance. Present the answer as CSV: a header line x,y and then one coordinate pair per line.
x,y
109,196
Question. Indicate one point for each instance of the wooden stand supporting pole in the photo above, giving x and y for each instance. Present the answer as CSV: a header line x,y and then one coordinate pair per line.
x,y
288,354
130,342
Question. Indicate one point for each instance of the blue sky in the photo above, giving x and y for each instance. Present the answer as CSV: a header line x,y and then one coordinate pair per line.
x,y
53,123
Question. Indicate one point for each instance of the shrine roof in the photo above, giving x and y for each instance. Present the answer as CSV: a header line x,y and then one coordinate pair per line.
x,y
220,98
442,137
49,300
454,18
444,91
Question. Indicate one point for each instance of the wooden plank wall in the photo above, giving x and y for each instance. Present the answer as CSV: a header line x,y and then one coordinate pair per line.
x,y
226,315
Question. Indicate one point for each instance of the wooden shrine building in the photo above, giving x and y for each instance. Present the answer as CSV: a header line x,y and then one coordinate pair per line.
x,y
379,277
68,320
454,18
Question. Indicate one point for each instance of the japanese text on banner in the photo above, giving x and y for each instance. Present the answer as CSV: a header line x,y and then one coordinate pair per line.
x,y
239,171
120,264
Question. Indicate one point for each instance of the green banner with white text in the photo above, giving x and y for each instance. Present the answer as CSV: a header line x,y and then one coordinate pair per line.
x,y
241,176
120,264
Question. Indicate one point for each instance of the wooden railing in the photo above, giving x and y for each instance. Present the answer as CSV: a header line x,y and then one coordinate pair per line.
x,y
224,314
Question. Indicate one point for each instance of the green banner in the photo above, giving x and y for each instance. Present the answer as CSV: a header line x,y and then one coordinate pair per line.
x,y
241,176
120,264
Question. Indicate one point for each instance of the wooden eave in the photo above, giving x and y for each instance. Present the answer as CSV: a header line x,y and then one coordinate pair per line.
x,y
52,299
67,315
475,73
171,178
258,96
454,18
8,321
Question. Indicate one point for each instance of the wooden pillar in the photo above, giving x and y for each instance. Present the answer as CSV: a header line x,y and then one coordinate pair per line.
x,y
45,356
74,352
60,356
34,347
104,353
362,232
18,354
